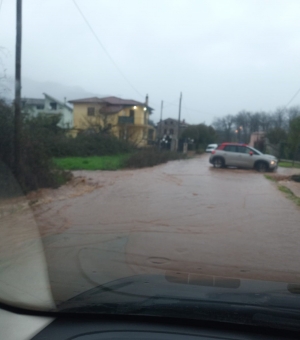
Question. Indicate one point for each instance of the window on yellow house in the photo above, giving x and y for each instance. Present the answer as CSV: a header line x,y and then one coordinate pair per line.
x,y
91,111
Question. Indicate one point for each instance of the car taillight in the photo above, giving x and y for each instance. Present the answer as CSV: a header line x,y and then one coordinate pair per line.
x,y
213,152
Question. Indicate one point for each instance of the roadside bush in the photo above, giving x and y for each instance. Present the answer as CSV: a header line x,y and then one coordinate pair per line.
x,y
85,145
200,149
8,184
37,168
151,157
6,133
295,178
43,140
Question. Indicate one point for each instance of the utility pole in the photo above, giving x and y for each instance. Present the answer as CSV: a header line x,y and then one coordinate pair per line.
x,y
161,114
160,125
179,114
18,116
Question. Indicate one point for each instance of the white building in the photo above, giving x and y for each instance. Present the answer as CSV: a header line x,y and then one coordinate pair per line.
x,y
49,106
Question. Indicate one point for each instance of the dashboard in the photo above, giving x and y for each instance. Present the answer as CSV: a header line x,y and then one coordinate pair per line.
x,y
99,328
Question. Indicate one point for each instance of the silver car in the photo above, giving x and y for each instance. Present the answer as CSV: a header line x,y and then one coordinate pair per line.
x,y
243,156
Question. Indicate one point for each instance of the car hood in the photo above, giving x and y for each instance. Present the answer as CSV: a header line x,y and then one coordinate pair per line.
x,y
195,297
270,156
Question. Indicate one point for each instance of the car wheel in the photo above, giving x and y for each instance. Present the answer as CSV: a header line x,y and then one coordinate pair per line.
x,y
218,162
261,167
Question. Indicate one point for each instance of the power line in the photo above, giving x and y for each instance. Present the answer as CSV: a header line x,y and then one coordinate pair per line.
x,y
171,103
189,109
105,50
184,107
294,96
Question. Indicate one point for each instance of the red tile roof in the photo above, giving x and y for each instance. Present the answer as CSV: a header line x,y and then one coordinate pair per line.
x,y
109,100
86,100
120,101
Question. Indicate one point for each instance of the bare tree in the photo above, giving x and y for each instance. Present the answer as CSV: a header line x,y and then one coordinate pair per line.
x,y
100,121
294,136
279,118
224,125
133,134
254,120
106,122
242,125
292,113
264,121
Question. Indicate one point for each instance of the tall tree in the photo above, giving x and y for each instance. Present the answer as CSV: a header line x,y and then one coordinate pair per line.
x,y
264,121
293,112
201,134
294,136
277,135
242,124
279,118
254,120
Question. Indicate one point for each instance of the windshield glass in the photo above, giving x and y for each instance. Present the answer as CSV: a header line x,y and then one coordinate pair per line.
x,y
112,196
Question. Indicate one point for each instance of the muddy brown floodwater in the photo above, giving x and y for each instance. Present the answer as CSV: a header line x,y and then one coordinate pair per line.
x,y
183,216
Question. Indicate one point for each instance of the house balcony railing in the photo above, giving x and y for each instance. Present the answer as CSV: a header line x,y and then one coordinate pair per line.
x,y
126,120
130,120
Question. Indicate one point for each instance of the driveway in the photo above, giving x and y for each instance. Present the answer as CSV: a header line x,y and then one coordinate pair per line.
x,y
184,216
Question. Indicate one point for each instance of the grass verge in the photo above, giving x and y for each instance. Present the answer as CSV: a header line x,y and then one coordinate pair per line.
x,y
289,194
289,165
270,178
114,162
140,159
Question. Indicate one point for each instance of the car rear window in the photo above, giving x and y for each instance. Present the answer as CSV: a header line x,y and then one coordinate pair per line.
x,y
230,148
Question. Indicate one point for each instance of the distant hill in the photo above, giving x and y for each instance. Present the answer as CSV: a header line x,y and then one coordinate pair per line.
x,y
35,89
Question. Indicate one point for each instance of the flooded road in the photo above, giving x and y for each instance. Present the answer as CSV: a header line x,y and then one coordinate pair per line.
x,y
184,216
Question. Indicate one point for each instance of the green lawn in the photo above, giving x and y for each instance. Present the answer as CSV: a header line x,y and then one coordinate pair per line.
x,y
114,162
289,165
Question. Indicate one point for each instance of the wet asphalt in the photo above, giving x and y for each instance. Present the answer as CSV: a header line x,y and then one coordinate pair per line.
x,y
183,216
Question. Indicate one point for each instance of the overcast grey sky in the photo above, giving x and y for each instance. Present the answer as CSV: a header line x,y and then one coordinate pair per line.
x,y
224,55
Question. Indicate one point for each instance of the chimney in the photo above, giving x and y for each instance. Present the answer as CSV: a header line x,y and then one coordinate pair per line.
x,y
65,100
147,100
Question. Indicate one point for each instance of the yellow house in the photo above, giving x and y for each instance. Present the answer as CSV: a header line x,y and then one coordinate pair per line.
x,y
125,118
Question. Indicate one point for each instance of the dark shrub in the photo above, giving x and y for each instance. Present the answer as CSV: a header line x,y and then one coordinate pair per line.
x,y
150,157
85,145
6,133
37,169
295,178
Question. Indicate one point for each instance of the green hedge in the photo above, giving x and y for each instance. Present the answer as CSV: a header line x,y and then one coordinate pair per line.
x,y
150,157
84,145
